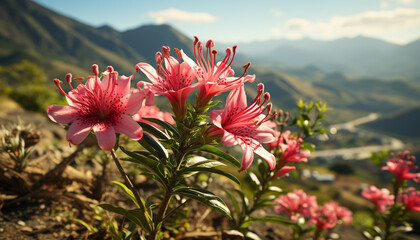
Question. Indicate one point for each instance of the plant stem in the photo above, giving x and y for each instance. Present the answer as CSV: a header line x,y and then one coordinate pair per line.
x,y
389,221
128,183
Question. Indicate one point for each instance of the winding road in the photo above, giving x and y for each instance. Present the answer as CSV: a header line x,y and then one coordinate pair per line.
x,y
359,153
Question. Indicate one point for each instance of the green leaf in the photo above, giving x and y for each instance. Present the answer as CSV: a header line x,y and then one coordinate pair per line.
x,y
211,170
206,197
127,191
273,219
255,180
198,161
150,164
234,202
219,153
164,125
154,146
153,130
136,215
245,202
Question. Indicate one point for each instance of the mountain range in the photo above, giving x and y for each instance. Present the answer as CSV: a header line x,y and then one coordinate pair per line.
x,y
356,57
290,70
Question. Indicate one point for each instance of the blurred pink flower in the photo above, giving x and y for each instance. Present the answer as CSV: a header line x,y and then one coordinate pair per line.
x,y
174,81
325,216
214,74
284,170
102,106
243,124
152,112
344,214
411,199
295,204
291,148
381,197
401,167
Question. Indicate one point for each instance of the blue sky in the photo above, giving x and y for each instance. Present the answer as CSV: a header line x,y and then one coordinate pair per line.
x,y
237,21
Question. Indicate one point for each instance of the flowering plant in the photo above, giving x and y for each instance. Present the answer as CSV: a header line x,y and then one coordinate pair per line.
x,y
391,209
173,149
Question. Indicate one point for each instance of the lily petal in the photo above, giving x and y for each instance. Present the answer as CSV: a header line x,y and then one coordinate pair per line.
x,y
106,136
77,132
129,127
62,114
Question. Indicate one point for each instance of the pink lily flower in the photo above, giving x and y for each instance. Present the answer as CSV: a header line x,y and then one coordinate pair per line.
x,y
291,148
102,106
411,199
401,167
214,74
381,197
174,81
243,124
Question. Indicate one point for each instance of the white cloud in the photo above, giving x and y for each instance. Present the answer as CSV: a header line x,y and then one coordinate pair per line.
x,y
405,1
176,15
276,12
384,4
368,23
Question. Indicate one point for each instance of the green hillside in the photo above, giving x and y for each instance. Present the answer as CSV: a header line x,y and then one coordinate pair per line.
x,y
403,124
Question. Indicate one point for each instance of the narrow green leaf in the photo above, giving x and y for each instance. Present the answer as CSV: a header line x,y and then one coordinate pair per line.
x,y
245,202
273,219
206,197
135,215
164,125
127,191
151,164
211,170
219,153
234,202
153,130
153,146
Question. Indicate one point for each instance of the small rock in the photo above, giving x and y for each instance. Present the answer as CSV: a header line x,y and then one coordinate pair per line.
x,y
27,229
21,223
1,230
42,206
58,218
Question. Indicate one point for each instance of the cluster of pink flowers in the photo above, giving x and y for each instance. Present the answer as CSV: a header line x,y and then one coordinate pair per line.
x,y
401,167
411,199
381,197
299,204
291,151
106,106
295,204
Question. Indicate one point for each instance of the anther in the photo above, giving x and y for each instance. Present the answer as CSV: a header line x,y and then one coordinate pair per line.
x,y
159,57
57,82
246,66
165,51
110,69
260,88
267,96
95,69
210,44
179,53
196,40
79,79
68,78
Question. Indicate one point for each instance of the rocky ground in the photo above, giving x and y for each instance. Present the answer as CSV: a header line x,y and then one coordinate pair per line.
x,y
57,194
